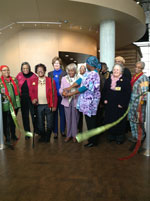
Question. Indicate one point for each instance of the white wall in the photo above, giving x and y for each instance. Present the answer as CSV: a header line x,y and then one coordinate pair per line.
x,y
41,45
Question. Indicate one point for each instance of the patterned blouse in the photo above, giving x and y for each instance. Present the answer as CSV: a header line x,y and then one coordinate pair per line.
x,y
89,100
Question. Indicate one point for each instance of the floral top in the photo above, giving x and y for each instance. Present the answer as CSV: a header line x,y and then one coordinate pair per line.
x,y
89,100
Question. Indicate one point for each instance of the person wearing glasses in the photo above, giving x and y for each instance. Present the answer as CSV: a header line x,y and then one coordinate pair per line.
x,y
140,85
43,93
57,75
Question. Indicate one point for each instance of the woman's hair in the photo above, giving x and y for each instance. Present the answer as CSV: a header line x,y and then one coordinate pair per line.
x,y
25,63
56,59
142,64
121,67
71,66
40,65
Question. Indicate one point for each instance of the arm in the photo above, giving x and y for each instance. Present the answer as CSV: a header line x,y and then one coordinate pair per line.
x,y
55,97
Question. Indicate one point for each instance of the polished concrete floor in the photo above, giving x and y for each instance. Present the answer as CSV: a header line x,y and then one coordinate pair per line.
x,y
61,171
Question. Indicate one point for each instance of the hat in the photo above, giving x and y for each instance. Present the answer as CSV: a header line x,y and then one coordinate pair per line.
x,y
3,66
93,61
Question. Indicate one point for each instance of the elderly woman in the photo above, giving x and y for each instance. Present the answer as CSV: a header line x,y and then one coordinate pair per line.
x,y
24,78
57,75
69,103
126,71
140,85
10,98
116,95
89,95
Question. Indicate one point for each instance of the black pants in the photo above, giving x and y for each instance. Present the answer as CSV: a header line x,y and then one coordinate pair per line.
x,y
9,126
26,107
91,124
80,122
43,111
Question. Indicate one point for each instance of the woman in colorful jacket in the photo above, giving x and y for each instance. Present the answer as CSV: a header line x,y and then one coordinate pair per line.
x,y
140,85
10,100
24,78
57,75
89,95
42,90
69,103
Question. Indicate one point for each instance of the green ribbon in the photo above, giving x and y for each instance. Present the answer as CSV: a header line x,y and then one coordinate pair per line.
x,y
87,134
29,134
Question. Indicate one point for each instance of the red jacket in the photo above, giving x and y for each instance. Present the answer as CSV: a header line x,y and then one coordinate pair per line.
x,y
51,93
21,79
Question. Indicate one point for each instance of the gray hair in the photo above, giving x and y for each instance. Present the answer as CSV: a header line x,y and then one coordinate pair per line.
x,y
71,66
121,67
83,66
142,64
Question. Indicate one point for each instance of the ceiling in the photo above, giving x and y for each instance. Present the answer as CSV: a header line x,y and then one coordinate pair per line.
x,y
73,15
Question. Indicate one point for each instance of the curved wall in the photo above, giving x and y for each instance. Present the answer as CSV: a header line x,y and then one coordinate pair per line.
x,y
40,46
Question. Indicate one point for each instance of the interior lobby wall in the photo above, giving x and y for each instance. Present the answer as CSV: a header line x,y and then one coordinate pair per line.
x,y
41,45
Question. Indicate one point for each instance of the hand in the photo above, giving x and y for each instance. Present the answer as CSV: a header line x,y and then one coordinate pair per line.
x,y
119,106
67,89
105,101
64,93
34,101
53,109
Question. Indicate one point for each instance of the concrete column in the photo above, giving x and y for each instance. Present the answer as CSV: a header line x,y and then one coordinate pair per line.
x,y
107,42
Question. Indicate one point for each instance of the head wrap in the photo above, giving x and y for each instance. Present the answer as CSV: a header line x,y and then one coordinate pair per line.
x,y
120,59
93,61
3,66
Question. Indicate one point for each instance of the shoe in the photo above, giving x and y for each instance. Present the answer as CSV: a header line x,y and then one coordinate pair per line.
x,y
74,140
89,144
67,139
132,146
55,135
131,139
119,142
15,138
27,137
42,139
63,134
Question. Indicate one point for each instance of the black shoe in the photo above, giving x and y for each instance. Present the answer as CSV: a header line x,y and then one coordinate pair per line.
x,y
63,134
15,138
55,135
132,146
42,139
119,142
89,144
27,137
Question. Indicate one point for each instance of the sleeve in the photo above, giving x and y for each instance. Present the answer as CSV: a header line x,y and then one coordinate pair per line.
x,y
61,86
144,87
125,95
82,89
55,95
79,81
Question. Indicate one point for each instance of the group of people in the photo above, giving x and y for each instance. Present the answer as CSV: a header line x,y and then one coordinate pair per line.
x,y
101,96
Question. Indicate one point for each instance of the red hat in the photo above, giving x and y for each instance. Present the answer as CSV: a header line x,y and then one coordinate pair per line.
x,y
3,66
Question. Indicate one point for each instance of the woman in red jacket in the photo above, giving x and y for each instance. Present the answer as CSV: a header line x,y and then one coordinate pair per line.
x,y
24,78
43,94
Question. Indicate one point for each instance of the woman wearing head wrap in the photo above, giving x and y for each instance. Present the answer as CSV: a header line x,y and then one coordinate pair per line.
x,y
10,98
24,78
89,95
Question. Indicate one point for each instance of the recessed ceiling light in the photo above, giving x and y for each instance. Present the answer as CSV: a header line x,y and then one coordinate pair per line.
x,y
138,2
71,58
66,55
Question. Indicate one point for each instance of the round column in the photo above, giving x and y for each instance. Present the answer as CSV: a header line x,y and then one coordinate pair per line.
x,y
107,42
